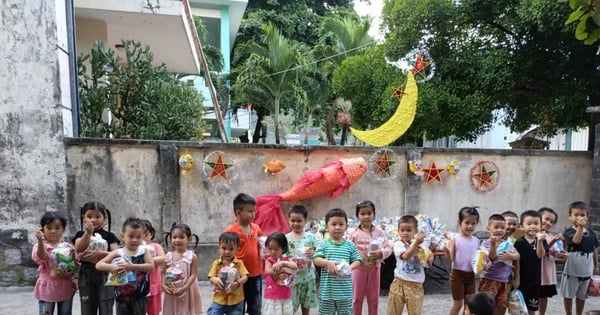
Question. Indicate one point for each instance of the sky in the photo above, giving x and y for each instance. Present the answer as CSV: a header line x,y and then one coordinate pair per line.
x,y
373,10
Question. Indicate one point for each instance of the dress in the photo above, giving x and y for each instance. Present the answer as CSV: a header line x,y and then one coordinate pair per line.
x,y
155,297
48,287
304,291
190,302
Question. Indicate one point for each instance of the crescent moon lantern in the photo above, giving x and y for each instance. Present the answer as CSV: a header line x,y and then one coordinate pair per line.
x,y
397,125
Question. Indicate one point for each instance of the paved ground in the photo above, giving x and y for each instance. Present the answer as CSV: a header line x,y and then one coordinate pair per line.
x,y
19,300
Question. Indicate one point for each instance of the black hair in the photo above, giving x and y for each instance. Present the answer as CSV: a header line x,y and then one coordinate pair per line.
x,y
408,219
530,213
241,200
229,238
299,210
149,228
578,205
465,212
511,214
186,230
481,303
52,216
364,204
280,239
336,212
549,210
95,206
134,223
496,217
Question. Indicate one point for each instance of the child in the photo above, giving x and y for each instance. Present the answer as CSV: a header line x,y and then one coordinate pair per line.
x,y
480,304
304,291
244,207
495,279
333,253
136,262
94,243
373,246
53,287
155,298
228,298
582,259
409,275
179,274
279,271
548,288
460,251
512,222
532,247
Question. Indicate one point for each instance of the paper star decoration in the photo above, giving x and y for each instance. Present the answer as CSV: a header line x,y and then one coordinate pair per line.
x,y
383,164
433,173
219,168
398,93
484,176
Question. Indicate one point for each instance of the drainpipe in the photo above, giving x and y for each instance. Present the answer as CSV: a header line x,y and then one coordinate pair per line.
x,y
73,71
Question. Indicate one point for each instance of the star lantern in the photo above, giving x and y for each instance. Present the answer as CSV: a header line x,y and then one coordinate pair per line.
x,y
398,93
383,164
433,173
484,176
219,168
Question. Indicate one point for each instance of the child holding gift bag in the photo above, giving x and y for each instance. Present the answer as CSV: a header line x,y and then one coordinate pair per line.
x,y
279,273
57,266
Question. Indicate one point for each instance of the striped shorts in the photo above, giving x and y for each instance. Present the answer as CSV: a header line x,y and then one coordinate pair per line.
x,y
330,307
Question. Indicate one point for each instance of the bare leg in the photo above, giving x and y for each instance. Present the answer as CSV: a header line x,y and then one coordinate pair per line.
x,y
568,303
305,311
579,304
499,310
543,305
456,306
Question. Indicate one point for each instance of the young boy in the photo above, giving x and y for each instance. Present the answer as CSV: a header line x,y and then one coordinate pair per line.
x,y
481,303
335,290
136,261
512,222
495,279
409,275
304,291
582,259
244,207
228,298
532,247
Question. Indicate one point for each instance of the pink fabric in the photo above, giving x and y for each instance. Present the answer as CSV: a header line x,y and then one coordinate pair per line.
x,y
189,303
548,266
362,240
155,298
365,282
273,290
464,251
50,288
269,215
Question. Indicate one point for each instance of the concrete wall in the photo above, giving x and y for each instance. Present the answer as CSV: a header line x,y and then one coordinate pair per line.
x,y
32,154
141,178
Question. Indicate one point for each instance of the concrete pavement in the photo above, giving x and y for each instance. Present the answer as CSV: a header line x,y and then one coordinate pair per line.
x,y
19,300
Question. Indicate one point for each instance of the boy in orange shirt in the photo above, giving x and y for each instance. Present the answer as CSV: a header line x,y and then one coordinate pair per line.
x,y
244,207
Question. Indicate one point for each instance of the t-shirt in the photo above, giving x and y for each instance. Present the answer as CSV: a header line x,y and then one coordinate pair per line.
x,y
109,237
125,293
530,266
237,295
274,290
499,270
548,265
407,269
306,269
248,251
464,251
333,288
580,262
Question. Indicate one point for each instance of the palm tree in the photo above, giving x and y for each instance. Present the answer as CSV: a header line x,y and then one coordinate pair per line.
x,y
274,66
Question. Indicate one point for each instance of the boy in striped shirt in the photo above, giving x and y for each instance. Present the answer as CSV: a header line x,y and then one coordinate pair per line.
x,y
335,289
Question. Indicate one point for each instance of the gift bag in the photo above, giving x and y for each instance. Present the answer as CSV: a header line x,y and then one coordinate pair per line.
x,y
594,288
120,279
62,260
516,303
480,259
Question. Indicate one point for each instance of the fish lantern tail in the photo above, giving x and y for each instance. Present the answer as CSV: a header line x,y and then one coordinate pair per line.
x,y
269,216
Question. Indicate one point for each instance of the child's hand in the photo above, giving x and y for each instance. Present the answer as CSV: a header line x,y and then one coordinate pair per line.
x,y
331,268
89,228
39,234
504,256
541,236
277,267
515,283
419,238
582,221
216,281
558,237
92,256
309,253
168,289
178,291
376,254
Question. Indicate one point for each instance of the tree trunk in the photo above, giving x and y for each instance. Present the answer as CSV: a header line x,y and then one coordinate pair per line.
x,y
329,126
258,129
593,121
344,134
276,120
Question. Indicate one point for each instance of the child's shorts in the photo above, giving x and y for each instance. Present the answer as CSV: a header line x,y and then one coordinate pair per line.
x,y
499,290
273,307
304,294
462,284
531,294
548,291
572,286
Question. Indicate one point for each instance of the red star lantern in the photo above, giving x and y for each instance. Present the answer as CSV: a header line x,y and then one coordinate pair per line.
x,y
484,176
219,168
398,93
433,173
383,164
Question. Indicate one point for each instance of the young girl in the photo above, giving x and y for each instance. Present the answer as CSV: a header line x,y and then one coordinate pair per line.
x,y
179,274
548,288
155,298
278,271
304,291
54,287
94,243
460,252
373,246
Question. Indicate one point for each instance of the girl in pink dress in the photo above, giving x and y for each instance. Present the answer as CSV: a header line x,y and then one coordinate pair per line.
x,y
279,271
154,305
179,274
55,286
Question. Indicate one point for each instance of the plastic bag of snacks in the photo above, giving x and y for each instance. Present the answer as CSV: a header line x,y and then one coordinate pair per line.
x,y
423,254
377,243
62,260
301,259
343,269
480,259
228,274
263,251
286,279
173,276
516,303
97,243
556,250
120,279
505,247
594,289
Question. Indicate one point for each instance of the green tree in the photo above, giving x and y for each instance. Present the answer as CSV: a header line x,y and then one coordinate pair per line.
x,y
513,55
145,102
274,67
